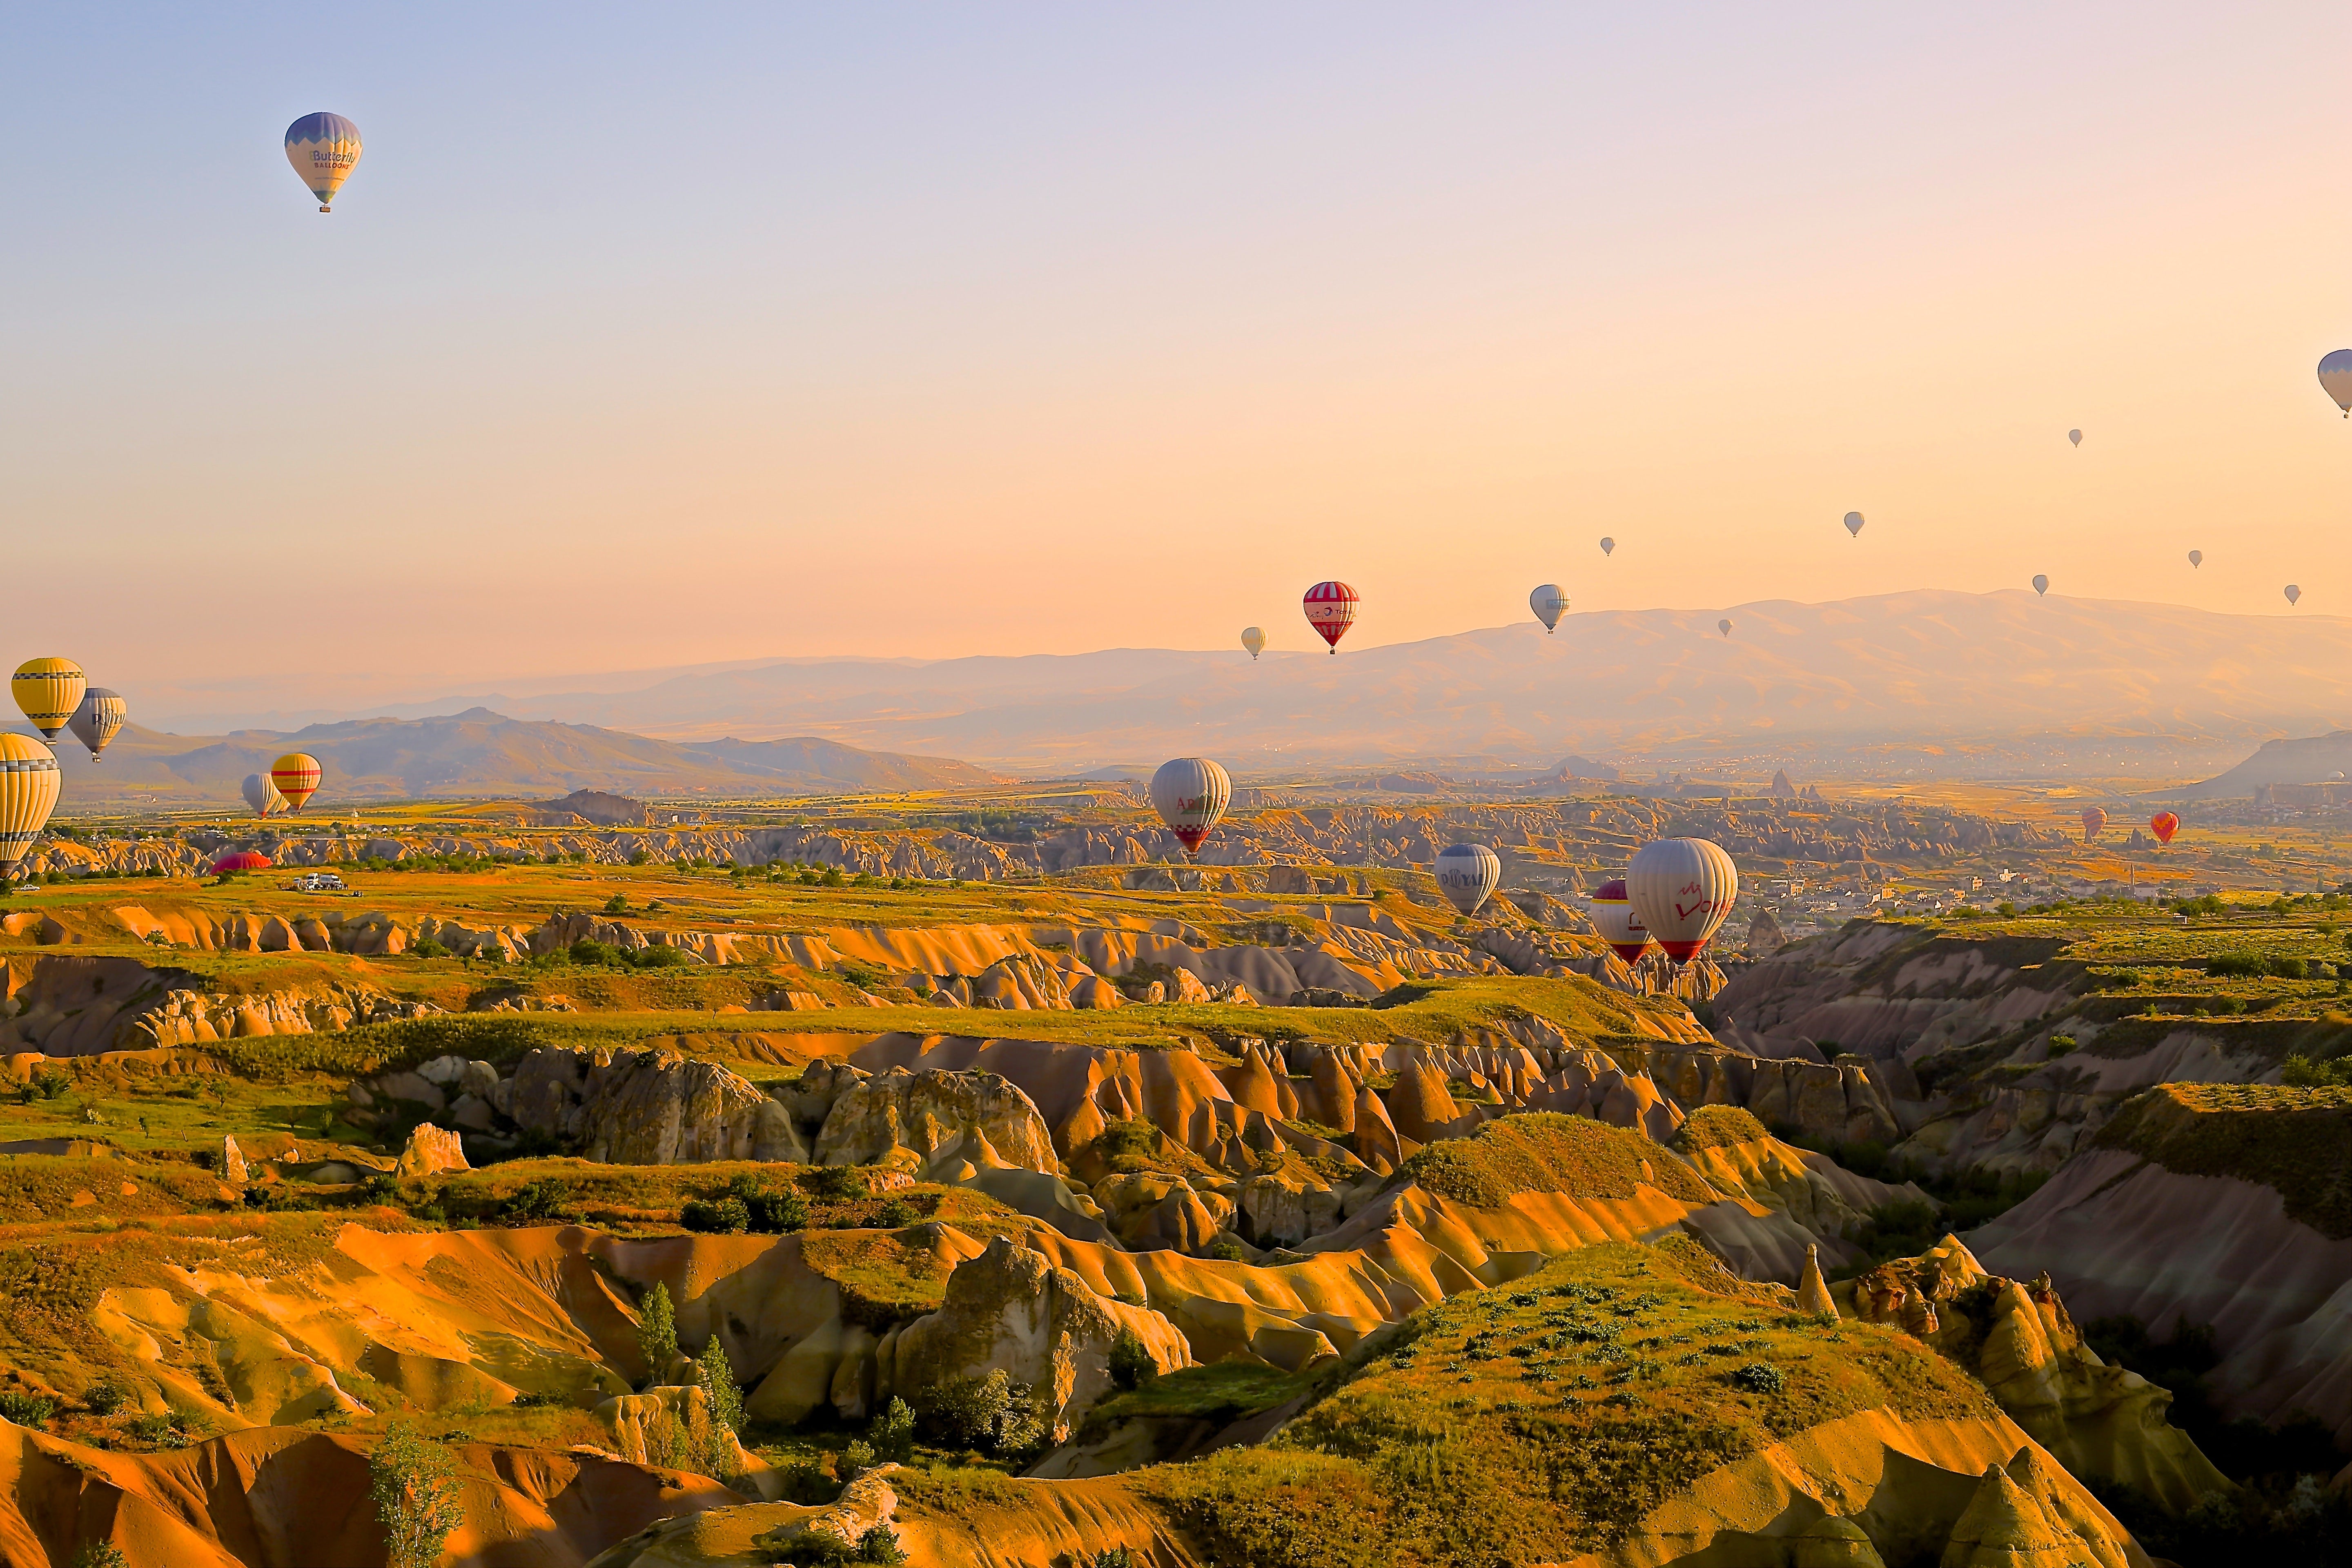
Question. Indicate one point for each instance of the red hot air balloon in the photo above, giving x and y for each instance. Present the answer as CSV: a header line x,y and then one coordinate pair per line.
x,y
1331,610
2094,819
239,860
2164,825
1618,925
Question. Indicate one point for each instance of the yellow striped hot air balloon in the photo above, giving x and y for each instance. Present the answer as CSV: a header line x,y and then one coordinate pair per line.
x,y
296,774
48,690
29,793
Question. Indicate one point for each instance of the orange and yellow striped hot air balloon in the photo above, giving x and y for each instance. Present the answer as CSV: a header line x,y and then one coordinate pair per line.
x,y
29,793
48,690
296,774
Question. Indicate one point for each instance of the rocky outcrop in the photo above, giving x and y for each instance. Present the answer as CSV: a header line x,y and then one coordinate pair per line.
x,y
1012,1310
947,1124
430,1150
2019,1339
670,1429
648,1107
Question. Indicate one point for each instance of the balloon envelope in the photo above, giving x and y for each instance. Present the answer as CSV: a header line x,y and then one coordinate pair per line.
x,y
1254,639
2041,584
262,796
1548,602
1330,610
1190,793
1466,875
2197,558
1613,919
296,774
2094,819
1853,524
29,793
2164,825
48,690
324,149
1608,545
2293,593
97,720
1682,888
2336,378
239,860
2075,436
1724,626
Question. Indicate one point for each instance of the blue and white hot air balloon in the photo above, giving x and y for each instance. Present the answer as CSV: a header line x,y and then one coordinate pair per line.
x,y
324,149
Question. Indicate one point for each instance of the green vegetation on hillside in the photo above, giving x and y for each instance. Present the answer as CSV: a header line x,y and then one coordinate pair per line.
x,y
2296,1141
1543,1153
1543,1419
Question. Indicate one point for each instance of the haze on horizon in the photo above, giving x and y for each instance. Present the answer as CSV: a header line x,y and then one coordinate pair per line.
x,y
638,341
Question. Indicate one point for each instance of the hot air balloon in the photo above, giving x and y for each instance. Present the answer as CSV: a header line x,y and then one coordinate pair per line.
x,y
1466,874
262,796
1614,918
96,719
2197,558
1331,610
2293,593
1254,639
296,774
1682,888
1549,601
324,149
1853,524
2094,819
2164,825
2335,378
29,793
2041,584
1190,793
1724,626
1608,545
237,861
48,690
2075,436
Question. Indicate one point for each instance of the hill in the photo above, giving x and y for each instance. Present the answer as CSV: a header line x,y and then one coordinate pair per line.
x,y
480,753
2317,759
1952,670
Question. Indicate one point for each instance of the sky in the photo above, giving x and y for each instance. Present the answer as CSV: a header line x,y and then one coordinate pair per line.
x,y
654,336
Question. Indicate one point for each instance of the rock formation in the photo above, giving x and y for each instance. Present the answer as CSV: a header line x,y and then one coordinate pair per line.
x,y
431,1149
648,1107
1011,1308
951,1123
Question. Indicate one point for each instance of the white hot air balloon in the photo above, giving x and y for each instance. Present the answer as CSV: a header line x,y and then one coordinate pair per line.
x,y
2197,558
1853,524
1254,639
1190,793
2041,584
1682,888
1724,626
2335,378
1466,875
2075,436
1549,603
2293,593
1608,545
1615,921
262,796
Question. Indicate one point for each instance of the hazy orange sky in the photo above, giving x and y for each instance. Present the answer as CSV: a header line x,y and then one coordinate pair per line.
x,y
644,337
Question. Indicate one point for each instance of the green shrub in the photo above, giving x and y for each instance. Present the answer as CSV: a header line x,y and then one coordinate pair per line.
x,y
1224,1249
99,1554
1132,1364
658,1330
428,948
103,1399
26,1409
773,1211
836,1183
992,1414
537,1203
164,1430
413,1485
855,1459
892,1434
898,1212
728,1216
1760,1377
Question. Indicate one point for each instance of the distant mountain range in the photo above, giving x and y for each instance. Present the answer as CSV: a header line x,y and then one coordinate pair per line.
x,y
480,753
2319,759
2025,676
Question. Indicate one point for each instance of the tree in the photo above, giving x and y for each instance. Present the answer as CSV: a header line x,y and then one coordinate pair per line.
x,y
657,1333
413,1485
893,1432
100,1554
717,1376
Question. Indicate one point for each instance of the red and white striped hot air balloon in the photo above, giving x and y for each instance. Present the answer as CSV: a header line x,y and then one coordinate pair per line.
x,y
1682,888
1331,610
1614,920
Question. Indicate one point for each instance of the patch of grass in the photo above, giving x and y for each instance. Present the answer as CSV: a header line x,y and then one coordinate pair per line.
x,y
1717,1127
1223,1393
1543,1153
